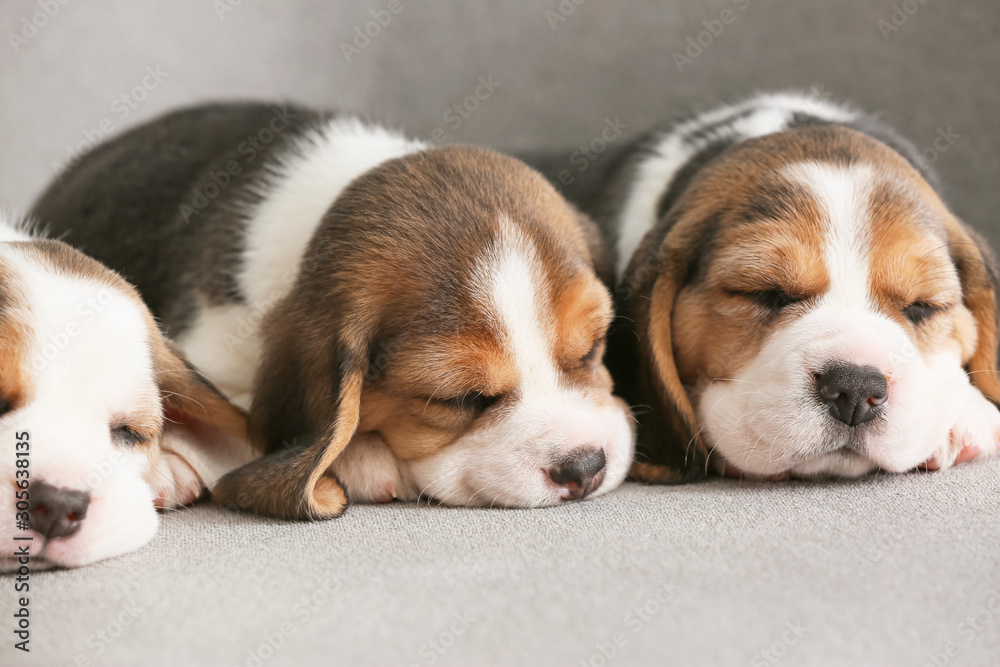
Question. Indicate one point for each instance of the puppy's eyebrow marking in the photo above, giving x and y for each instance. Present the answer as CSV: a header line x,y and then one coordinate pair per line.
x,y
509,282
843,195
777,199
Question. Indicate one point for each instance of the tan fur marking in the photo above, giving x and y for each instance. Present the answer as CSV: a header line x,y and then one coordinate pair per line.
x,y
384,290
14,337
693,329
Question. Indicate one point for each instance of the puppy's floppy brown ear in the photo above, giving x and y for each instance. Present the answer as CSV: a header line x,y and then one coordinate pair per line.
x,y
200,425
306,408
597,246
669,446
977,270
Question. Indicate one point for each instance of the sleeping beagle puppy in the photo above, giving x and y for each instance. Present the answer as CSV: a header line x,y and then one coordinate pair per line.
x,y
796,298
402,321
102,420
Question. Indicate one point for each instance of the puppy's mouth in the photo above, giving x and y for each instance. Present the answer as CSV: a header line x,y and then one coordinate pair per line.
x,y
807,466
727,469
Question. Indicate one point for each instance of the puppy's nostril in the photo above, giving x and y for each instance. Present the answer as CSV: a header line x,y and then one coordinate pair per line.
x,y
852,393
56,512
828,392
579,474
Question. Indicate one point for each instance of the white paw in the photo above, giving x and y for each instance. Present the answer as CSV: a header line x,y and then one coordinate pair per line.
x,y
974,435
368,471
175,483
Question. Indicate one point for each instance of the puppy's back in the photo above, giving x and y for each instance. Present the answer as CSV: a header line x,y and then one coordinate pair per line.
x,y
156,203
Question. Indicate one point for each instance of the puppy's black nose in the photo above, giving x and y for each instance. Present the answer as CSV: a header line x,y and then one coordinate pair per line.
x,y
853,393
56,512
579,474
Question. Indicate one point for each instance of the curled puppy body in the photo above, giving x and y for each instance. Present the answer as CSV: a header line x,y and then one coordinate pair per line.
x,y
797,300
402,321
101,418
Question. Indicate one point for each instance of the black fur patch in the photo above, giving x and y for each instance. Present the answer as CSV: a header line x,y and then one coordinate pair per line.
x,y
162,204
687,172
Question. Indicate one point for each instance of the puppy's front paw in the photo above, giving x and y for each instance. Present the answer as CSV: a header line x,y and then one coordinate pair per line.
x,y
175,483
975,434
368,470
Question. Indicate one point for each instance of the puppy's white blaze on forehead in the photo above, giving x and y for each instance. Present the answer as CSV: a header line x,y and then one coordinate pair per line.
x,y
90,341
842,194
505,463
510,279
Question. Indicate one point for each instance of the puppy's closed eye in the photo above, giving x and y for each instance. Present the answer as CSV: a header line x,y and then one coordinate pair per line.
x,y
126,436
920,311
774,300
472,401
595,353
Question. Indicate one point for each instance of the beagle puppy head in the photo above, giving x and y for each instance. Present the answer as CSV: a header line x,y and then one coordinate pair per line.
x,y
444,340
102,419
814,310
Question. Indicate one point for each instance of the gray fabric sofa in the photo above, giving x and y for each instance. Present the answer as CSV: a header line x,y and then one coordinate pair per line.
x,y
887,570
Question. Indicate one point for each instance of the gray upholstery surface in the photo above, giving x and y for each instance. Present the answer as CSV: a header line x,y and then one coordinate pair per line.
x,y
881,571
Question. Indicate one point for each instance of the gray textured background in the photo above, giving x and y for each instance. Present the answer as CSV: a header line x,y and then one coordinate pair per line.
x,y
607,59
884,571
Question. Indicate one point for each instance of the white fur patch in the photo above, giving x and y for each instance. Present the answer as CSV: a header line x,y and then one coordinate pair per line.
x,y
88,363
302,184
768,420
300,187
510,283
842,194
88,367
505,464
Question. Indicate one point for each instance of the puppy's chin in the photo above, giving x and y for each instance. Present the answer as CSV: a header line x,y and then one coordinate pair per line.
x,y
507,466
841,463
120,519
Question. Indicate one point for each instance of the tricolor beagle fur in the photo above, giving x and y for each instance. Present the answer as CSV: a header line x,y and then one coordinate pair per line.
x,y
102,420
402,321
796,298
